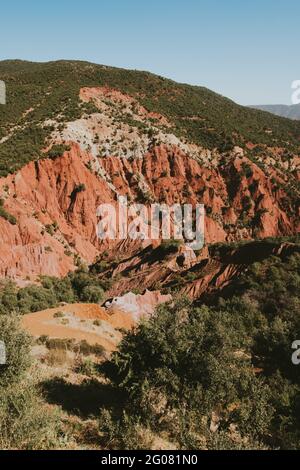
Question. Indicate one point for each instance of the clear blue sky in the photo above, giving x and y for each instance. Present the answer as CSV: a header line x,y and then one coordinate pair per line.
x,y
248,50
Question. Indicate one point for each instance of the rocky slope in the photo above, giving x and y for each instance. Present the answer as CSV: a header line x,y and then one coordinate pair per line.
x,y
178,270
55,223
114,146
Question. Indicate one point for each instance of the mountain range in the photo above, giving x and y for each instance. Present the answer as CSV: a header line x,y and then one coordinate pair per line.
x,y
291,112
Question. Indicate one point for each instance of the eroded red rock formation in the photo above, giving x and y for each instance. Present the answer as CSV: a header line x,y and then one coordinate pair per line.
x,y
54,202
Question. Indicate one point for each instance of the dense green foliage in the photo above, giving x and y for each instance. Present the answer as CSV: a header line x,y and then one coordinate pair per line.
x,y
229,364
80,286
51,90
25,421
57,150
17,344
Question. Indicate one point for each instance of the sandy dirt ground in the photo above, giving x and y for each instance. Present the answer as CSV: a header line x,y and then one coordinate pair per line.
x,y
88,322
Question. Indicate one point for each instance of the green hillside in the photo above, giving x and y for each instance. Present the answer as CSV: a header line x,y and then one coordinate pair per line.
x,y
52,89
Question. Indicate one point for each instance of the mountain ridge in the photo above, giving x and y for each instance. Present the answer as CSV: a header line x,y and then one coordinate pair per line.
x,y
282,110
52,89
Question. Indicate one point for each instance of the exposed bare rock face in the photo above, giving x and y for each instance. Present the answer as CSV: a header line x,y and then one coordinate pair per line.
x,y
210,272
49,222
137,306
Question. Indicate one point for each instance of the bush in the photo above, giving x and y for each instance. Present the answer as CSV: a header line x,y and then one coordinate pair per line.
x,y
246,203
168,247
25,421
86,349
122,433
17,344
85,367
6,215
56,357
78,286
59,344
35,298
58,315
93,294
57,150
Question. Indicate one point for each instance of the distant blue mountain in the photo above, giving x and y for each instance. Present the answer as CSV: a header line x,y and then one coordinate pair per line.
x,y
291,112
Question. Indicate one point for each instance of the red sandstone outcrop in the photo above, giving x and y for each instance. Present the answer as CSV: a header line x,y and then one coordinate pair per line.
x,y
207,274
54,202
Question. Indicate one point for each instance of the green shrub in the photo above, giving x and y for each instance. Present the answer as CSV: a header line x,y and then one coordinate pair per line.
x,y
93,294
57,150
246,203
77,286
86,349
85,367
25,421
168,247
123,433
56,357
58,315
6,215
17,344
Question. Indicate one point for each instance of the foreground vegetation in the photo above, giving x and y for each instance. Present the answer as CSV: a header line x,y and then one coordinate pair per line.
x,y
26,422
218,377
214,376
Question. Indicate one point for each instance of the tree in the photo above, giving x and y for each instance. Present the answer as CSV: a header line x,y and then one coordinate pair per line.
x,y
181,367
